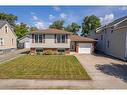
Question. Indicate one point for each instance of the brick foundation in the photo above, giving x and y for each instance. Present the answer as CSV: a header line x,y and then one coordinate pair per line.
x,y
32,50
67,50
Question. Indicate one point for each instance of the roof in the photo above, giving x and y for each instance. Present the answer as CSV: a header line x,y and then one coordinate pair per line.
x,y
23,37
114,23
117,21
2,23
51,31
81,39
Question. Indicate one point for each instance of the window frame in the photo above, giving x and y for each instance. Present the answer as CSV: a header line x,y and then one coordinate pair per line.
x,y
1,41
60,38
6,29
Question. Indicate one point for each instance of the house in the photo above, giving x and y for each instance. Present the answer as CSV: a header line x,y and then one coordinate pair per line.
x,y
7,37
112,38
58,40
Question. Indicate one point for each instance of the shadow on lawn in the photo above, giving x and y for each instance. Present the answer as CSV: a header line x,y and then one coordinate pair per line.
x,y
117,70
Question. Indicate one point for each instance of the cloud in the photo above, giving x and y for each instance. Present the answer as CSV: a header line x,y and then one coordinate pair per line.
x,y
56,8
39,23
51,17
35,17
32,13
124,8
107,19
63,16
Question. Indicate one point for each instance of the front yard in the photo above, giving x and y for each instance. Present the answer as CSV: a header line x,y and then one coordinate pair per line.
x,y
43,67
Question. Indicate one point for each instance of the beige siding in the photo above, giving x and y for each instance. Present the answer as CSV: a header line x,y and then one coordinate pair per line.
x,y
117,41
50,43
117,44
7,38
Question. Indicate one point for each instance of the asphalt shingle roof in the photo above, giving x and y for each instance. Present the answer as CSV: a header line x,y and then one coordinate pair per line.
x,y
2,23
117,21
51,31
77,38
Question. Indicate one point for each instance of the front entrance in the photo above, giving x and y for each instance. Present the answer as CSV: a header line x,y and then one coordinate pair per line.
x,y
73,47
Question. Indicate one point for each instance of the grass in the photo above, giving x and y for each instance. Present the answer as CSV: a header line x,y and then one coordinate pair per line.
x,y
64,67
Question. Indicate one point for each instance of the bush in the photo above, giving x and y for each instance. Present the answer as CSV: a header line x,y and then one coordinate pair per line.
x,y
47,52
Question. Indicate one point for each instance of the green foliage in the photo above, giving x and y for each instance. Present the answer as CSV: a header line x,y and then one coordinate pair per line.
x,y
21,29
50,52
90,23
73,27
57,24
33,29
8,17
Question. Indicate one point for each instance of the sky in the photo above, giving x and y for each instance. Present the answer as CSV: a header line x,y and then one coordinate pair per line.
x,y
42,16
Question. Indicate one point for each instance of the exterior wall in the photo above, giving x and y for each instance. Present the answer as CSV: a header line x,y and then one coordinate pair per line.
x,y
22,42
117,42
67,50
50,43
8,38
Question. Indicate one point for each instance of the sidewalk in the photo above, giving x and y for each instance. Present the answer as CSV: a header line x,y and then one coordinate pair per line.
x,y
11,55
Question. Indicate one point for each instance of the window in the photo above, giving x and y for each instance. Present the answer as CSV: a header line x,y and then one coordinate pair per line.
x,y
112,31
61,50
1,41
6,29
61,38
38,38
101,37
12,41
58,38
107,44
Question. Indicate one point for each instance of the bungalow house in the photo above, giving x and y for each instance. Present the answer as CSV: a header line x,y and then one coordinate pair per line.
x,y
8,38
57,40
112,38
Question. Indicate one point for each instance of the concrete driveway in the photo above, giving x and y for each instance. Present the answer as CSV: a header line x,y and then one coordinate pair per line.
x,y
12,55
106,72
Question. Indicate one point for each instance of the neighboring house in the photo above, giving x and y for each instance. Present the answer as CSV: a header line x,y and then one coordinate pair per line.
x,y
112,38
58,40
7,37
24,42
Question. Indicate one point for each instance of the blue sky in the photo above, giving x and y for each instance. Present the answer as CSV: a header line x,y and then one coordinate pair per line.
x,y
43,16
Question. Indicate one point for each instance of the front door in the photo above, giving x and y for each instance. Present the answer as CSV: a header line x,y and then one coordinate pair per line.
x,y
73,46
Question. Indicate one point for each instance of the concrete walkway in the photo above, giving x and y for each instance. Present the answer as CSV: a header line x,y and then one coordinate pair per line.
x,y
99,79
11,55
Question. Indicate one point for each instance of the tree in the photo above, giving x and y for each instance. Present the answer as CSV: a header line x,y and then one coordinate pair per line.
x,y
73,27
33,29
90,23
57,24
21,29
8,17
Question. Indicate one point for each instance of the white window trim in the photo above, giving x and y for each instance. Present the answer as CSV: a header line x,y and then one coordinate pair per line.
x,y
2,41
60,38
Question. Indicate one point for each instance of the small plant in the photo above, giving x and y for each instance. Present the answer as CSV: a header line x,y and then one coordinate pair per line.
x,y
47,52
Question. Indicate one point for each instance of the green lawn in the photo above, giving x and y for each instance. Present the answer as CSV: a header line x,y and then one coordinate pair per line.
x,y
43,67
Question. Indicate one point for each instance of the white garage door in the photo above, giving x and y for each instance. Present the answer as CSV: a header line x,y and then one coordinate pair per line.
x,y
85,48
27,45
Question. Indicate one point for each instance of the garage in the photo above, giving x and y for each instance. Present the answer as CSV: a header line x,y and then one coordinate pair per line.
x,y
82,45
85,48
24,42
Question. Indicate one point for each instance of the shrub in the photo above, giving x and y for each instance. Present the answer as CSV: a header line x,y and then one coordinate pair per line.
x,y
47,52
